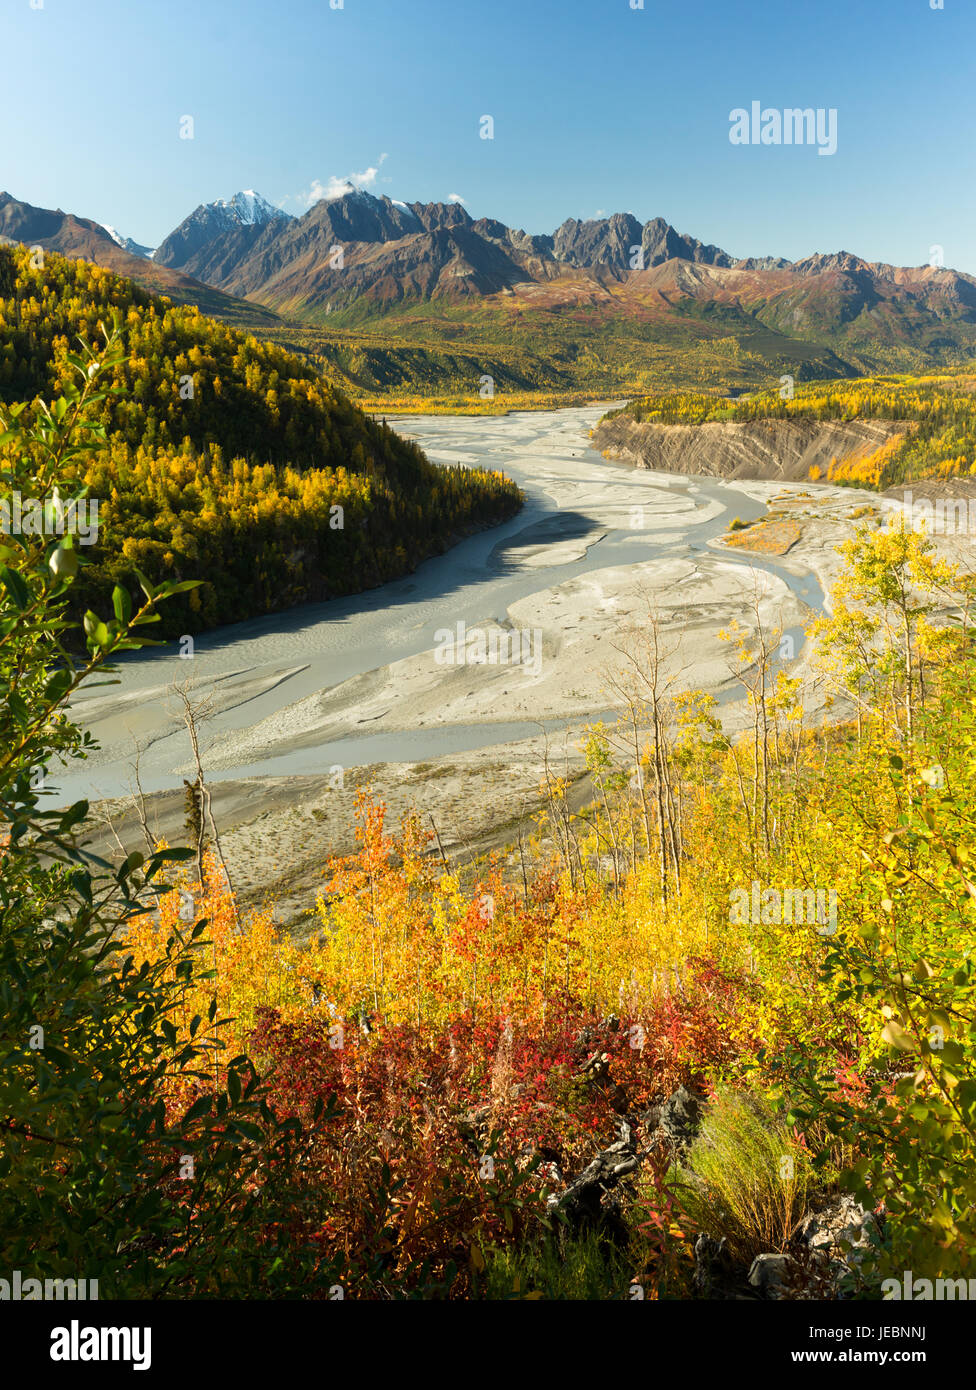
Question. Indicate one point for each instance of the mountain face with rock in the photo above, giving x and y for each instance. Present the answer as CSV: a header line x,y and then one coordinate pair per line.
x,y
246,213
362,257
623,244
350,249
779,450
134,248
81,238
392,251
371,254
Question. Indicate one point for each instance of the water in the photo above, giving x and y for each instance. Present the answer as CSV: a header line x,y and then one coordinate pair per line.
x,y
579,517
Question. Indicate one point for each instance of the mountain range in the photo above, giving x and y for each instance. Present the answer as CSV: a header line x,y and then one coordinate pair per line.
x,y
360,262
393,253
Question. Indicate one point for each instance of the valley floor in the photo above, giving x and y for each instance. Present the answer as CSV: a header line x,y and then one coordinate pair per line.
x,y
307,706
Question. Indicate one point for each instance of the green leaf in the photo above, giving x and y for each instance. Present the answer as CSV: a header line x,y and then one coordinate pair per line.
x,y
122,604
202,1106
181,586
248,1130
16,587
147,588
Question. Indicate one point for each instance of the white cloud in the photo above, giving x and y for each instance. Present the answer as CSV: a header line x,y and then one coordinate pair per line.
x,y
338,185
456,198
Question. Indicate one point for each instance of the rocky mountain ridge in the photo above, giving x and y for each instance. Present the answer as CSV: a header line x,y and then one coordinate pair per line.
x,y
358,258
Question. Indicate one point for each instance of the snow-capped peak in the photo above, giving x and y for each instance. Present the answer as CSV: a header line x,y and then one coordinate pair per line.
x,y
134,248
248,208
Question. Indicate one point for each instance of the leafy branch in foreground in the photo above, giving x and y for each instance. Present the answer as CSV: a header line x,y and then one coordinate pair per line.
x,y
130,1152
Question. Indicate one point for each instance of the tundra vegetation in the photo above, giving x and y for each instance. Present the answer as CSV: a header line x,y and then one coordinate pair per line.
x,y
417,362
194,1103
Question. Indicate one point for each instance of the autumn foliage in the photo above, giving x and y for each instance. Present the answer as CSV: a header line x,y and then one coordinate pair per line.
x,y
450,1020
226,459
938,411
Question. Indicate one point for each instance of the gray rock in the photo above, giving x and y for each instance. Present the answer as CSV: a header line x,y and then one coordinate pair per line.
x,y
590,1201
828,1247
770,1275
845,1232
714,1267
676,1122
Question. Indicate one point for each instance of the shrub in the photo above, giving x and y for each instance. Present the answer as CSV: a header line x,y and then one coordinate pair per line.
x,y
746,1177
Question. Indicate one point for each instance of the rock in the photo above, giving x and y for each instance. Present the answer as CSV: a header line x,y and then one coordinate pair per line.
x,y
777,449
770,1275
474,1126
590,1201
844,1231
714,1267
649,1119
595,1068
827,1248
676,1122
596,1072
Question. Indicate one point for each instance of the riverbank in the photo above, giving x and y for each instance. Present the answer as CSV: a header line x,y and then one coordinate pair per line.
x,y
305,707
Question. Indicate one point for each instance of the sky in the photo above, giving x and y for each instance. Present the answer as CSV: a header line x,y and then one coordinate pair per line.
x,y
598,106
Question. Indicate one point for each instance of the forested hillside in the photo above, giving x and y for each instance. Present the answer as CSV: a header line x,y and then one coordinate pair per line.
x,y
225,458
415,358
938,410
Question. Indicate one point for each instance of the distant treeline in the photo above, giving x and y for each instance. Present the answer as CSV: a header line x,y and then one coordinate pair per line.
x,y
939,412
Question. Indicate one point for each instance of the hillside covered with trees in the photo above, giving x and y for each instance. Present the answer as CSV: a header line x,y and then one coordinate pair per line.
x,y
225,458
938,410
412,358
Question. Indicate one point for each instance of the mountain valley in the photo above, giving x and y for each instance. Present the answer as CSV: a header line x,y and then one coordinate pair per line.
x,y
395,301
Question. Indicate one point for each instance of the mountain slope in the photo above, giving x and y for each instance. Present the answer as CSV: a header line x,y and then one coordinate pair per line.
x,y
780,450
127,244
210,221
80,237
604,306
622,244
227,459
876,432
354,260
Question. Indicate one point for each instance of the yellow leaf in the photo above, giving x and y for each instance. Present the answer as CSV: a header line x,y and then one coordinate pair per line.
x,y
895,1035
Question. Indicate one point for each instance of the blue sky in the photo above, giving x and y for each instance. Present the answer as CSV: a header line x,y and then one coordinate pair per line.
x,y
598,107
